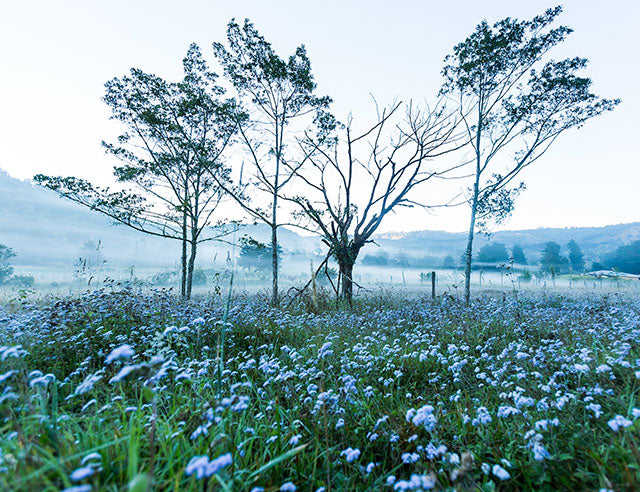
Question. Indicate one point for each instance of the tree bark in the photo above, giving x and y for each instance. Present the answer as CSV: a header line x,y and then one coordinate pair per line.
x,y
346,274
469,251
274,258
183,270
474,209
192,262
274,217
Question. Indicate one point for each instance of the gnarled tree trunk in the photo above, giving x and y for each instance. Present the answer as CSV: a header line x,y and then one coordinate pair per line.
x,y
346,260
346,276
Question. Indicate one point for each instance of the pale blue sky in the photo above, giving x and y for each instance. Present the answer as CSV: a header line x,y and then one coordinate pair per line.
x,y
56,57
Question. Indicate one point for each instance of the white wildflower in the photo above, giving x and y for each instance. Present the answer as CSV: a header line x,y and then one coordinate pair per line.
x,y
122,352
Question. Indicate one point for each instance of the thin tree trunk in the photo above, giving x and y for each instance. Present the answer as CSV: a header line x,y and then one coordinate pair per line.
x,y
469,251
274,257
192,262
474,209
183,272
274,219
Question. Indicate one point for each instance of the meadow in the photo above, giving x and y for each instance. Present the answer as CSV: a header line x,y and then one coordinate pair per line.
x,y
120,389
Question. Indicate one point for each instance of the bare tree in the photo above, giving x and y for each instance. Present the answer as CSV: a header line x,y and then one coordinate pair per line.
x,y
356,181
513,105
275,95
170,151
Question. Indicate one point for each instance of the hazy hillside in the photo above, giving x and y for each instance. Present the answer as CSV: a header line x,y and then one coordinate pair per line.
x,y
44,229
47,230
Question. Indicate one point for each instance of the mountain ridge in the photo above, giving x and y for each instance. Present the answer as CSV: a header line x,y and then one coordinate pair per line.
x,y
42,228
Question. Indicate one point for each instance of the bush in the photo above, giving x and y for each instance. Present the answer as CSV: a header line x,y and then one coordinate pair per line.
x,y
525,276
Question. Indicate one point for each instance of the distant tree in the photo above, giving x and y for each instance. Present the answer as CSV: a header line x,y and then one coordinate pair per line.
x,y
379,259
525,276
518,255
6,270
400,260
354,182
276,94
428,261
254,254
170,151
625,258
512,103
449,262
576,257
596,266
493,253
551,260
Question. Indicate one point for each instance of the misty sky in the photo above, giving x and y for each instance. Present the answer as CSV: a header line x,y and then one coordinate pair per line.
x,y
56,57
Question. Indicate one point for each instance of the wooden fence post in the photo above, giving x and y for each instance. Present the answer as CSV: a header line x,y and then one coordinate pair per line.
x,y
433,285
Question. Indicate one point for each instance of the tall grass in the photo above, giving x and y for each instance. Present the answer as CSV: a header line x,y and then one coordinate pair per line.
x,y
359,399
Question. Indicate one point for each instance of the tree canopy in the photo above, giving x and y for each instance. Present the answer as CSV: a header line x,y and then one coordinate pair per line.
x,y
514,103
6,270
170,153
625,258
493,253
517,253
276,95
552,259
576,257
254,254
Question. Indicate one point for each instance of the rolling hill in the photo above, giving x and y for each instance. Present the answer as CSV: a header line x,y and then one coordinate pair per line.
x,y
46,230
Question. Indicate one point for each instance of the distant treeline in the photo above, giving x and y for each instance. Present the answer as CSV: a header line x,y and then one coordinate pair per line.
x,y
554,258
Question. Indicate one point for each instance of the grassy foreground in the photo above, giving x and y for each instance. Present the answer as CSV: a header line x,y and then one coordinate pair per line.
x,y
124,391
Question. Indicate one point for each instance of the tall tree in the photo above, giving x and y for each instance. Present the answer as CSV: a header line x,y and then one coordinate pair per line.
x,y
353,183
517,253
514,104
6,270
625,258
254,254
552,260
493,253
576,257
170,150
449,262
276,95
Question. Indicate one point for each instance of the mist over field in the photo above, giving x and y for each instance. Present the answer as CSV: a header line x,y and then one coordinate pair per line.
x,y
52,238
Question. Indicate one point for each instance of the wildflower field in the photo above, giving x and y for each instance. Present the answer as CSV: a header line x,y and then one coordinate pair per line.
x,y
123,390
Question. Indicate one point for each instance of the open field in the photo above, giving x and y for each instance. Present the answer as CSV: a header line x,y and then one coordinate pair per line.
x,y
64,281
105,390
